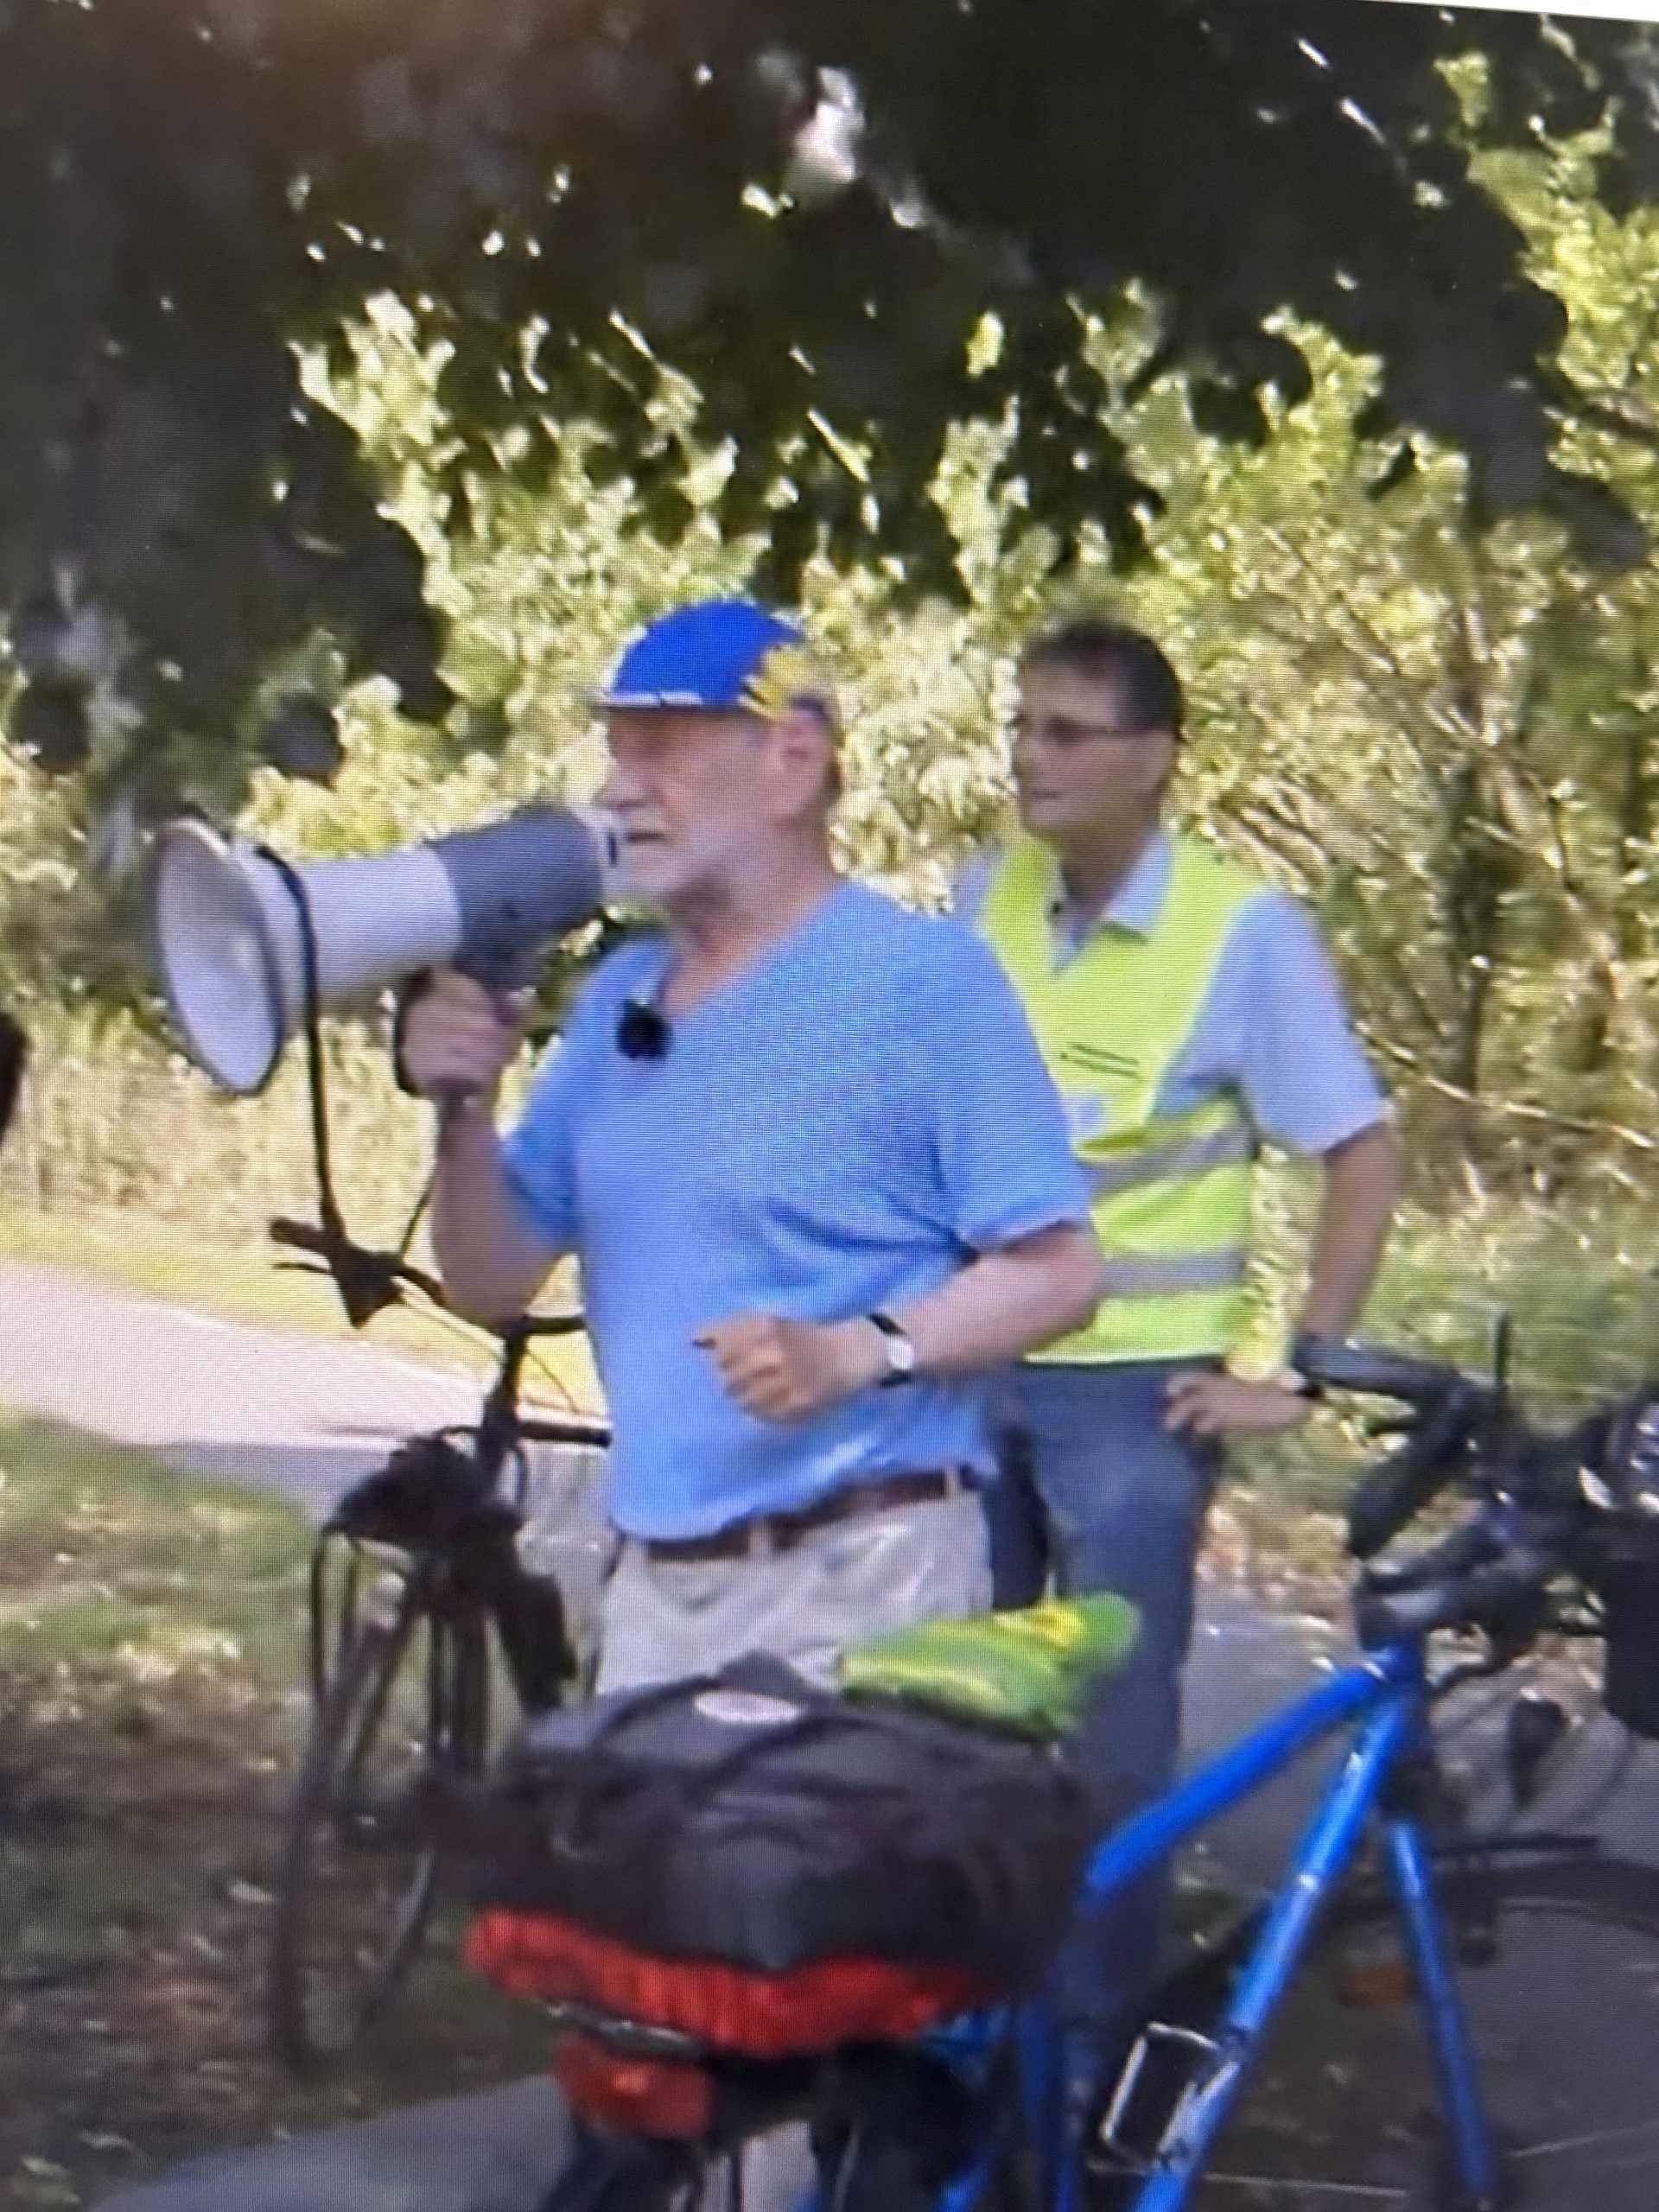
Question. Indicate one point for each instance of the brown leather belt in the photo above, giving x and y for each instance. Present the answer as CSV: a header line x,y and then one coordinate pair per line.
x,y
767,1532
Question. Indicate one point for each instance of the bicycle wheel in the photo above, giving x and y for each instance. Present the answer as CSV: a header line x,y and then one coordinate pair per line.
x,y
1559,1972
355,1895
619,2173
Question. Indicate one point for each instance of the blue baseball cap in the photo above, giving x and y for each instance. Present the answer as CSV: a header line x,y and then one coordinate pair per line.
x,y
722,655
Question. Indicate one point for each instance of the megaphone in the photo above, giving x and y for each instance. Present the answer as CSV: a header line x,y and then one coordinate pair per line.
x,y
229,923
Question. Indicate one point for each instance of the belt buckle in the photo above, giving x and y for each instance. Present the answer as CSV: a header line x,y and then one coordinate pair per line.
x,y
762,1538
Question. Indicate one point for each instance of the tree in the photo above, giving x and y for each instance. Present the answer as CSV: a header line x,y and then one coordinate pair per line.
x,y
1440,736
848,226
1446,735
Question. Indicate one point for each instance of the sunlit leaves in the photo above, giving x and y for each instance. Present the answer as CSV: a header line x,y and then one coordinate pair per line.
x,y
810,215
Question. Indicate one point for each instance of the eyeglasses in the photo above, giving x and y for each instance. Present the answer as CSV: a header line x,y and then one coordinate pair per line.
x,y
1064,731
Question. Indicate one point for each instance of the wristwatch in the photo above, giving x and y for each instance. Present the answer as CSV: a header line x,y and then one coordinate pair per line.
x,y
901,1353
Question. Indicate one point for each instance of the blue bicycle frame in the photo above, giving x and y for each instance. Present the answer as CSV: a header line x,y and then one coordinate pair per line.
x,y
1384,1701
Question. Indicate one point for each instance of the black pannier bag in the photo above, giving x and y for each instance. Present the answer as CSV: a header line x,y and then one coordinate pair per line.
x,y
782,1843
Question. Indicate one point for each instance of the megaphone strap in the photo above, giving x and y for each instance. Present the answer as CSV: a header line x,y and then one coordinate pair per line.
x,y
311,1014
367,1280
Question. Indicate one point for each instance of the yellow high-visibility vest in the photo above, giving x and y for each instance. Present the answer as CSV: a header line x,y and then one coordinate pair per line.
x,y
1171,1194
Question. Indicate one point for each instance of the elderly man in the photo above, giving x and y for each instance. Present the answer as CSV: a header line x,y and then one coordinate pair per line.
x,y
816,1173
817,1178
1187,1013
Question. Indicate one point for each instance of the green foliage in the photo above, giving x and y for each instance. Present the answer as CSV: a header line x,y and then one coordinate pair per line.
x,y
806,212
1445,736
540,594
1439,733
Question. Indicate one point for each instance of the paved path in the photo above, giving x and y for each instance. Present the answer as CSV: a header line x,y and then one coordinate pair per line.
x,y
299,1414
496,2153
302,1416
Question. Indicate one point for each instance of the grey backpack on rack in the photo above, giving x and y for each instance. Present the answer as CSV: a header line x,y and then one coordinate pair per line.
x,y
748,1817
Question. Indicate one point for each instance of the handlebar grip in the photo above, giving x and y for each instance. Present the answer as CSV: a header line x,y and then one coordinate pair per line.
x,y
1384,1500
1396,1490
1472,1544
1478,1599
1337,1364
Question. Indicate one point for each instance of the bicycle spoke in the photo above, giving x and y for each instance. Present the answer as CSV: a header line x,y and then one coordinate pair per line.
x,y
358,1882
1647,2130
1347,2192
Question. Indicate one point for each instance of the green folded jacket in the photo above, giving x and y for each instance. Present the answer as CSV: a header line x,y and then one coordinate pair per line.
x,y
1031,1671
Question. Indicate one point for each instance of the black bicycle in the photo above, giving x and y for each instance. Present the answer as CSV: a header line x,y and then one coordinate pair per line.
x,y
414,1574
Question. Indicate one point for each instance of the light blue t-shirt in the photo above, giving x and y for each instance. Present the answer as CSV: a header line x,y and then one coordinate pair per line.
x,y
1272,1029
837,1129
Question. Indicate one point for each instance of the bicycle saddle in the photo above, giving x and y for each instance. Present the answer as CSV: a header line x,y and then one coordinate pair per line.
x,y
427,1494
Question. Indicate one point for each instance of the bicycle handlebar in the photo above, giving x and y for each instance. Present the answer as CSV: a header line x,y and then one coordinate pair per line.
x,y
1449,1407
1489,1597
369,1281
1490,1573
1389,1497
1371,1370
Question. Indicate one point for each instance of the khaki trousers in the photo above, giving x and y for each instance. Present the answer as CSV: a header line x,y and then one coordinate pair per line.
x,y
660,1619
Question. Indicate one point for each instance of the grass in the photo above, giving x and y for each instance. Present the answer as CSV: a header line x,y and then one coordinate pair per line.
x,y
124,1163
240,1282
149,1713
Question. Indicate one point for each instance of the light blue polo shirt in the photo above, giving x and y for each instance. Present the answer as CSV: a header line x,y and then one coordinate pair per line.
x,y
839,1128
1272,1029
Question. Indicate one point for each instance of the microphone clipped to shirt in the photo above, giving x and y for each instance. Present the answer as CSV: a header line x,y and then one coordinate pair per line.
x,y
642,1030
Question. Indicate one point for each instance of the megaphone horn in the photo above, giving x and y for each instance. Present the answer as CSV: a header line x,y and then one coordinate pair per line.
x,y
228,924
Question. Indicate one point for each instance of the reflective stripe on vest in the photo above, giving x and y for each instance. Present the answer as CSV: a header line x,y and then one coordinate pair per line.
x,y
1157,1163
1153,1276
1170,1196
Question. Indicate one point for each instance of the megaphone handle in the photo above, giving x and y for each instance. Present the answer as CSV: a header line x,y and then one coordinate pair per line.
x,y
452,1103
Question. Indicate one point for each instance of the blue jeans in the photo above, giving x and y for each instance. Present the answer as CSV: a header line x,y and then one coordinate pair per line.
x,y
1096,1493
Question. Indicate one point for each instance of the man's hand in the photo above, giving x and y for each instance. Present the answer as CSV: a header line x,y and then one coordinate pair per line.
x,y
1206,1403
788,1370
459,1040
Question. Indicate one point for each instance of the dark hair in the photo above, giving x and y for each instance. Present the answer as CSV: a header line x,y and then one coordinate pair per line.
x,y
1148,691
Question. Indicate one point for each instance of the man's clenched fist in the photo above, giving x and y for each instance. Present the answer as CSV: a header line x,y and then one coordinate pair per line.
x,y
786,1370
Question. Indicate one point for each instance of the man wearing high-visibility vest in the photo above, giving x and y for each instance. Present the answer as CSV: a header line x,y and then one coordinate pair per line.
x,y
1187,1013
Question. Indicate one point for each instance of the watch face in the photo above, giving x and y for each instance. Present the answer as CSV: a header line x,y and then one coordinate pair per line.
x,y
901,1359
900,1351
